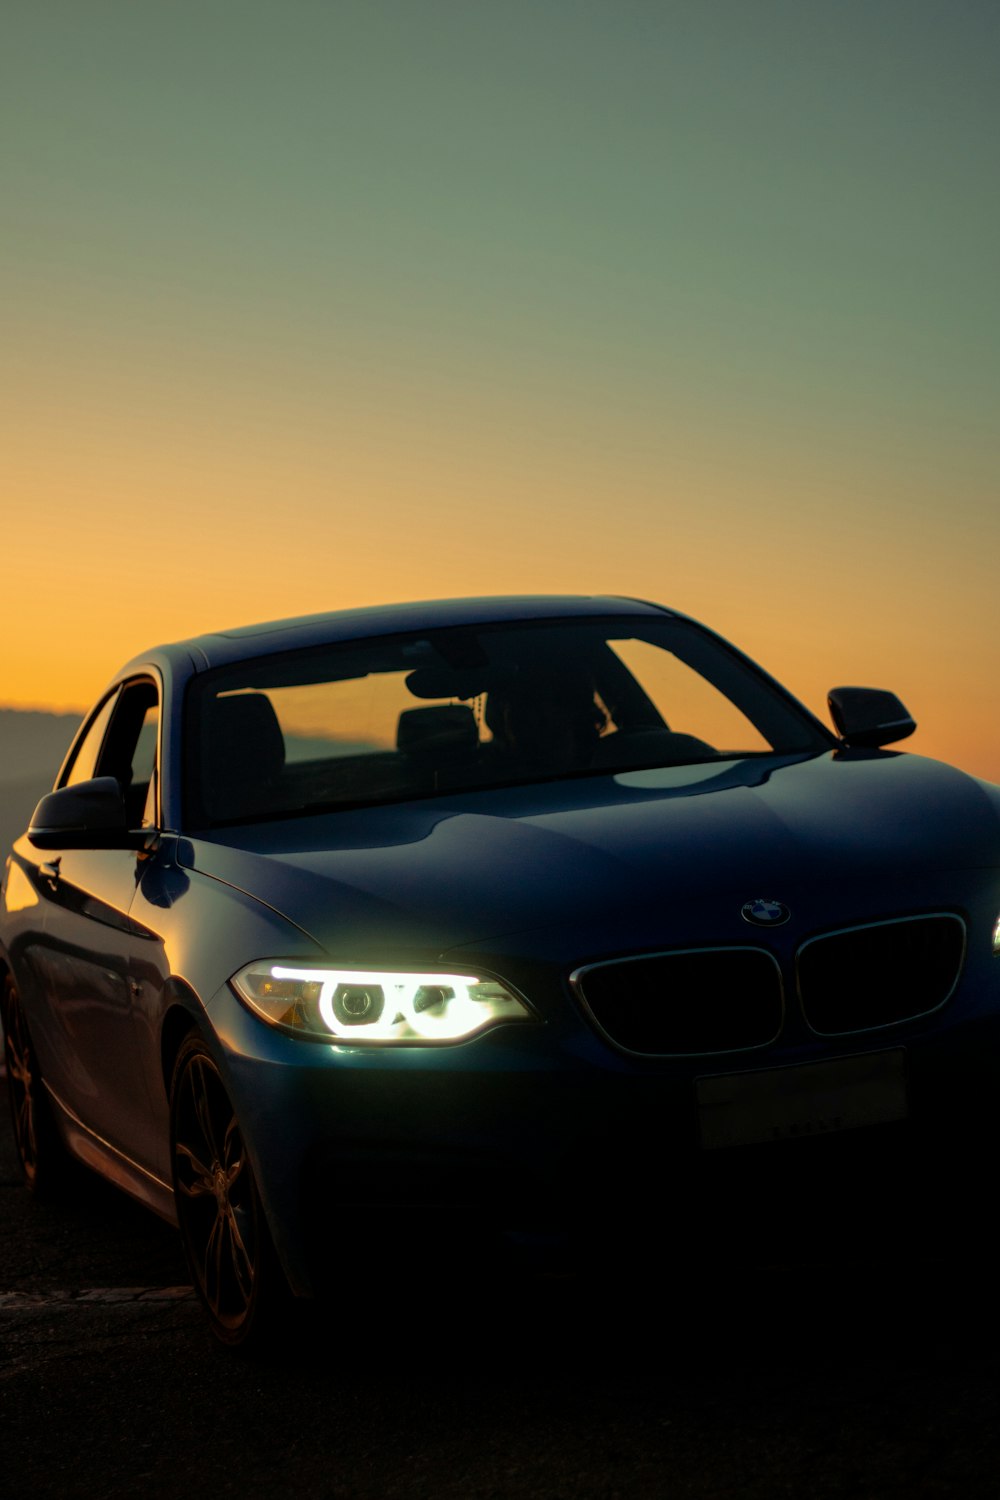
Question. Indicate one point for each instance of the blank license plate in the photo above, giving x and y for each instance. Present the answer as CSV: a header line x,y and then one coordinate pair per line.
x,y
810,1099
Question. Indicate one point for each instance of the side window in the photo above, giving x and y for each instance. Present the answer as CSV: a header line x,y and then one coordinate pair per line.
x,y
129,752
84,763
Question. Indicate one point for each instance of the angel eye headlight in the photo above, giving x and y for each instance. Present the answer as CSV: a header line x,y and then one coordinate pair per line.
x,y
376,1005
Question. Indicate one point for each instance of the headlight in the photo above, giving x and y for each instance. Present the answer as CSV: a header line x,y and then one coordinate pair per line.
x,y
376,1005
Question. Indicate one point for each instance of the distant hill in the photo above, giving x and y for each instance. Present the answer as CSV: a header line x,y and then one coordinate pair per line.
x,y
32,747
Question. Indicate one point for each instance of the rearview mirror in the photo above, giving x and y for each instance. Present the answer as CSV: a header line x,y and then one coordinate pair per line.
x,y
869,717
88,815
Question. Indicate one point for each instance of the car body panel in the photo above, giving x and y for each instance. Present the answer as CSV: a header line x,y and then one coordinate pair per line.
x,y
412,878
83,953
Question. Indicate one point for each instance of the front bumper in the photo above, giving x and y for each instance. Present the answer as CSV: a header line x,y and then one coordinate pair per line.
x,y
541,1140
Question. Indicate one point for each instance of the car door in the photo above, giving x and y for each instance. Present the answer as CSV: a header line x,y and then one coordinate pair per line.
x,y
87,1039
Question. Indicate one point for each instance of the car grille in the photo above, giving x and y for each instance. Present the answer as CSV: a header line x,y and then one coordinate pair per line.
x,y
881,974
708,1000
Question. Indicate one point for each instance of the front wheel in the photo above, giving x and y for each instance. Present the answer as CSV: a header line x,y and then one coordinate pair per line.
x,y
40,1151
226,1241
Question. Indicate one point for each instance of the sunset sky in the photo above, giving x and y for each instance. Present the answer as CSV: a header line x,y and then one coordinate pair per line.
x,y
316,303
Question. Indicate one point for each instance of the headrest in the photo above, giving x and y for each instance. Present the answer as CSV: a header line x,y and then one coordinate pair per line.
x,y
243,750
246,725
446,729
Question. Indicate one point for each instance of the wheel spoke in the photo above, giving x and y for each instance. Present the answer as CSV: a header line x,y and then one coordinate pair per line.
x,y
233,1142
24,1083
25,1125
18,1065
212,1279
202,1183
243,1266
198,1119
202,1107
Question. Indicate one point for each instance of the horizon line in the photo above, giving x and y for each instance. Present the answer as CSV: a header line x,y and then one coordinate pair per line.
x,y
40,708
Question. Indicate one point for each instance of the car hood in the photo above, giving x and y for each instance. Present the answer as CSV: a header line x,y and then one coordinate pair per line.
x,y
639,858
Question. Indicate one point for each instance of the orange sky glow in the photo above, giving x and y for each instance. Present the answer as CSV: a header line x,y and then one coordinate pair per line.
x,y
426,324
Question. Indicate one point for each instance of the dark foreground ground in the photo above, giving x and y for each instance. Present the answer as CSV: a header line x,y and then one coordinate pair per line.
x,y
874,1380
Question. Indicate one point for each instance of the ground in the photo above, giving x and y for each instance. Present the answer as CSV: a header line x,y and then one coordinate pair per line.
x,y
863,1380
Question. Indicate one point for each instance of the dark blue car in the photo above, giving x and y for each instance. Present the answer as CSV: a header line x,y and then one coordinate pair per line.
x,y
372,945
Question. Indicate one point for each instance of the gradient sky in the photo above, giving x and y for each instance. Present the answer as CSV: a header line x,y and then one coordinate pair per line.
x,y
319,303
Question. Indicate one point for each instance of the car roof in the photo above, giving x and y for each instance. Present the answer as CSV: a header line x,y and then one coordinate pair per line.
x,y
216,648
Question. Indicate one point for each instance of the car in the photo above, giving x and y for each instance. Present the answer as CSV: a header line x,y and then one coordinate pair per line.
x,y
377,947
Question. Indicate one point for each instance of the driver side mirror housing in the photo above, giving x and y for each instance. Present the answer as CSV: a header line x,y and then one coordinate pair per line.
x,y
87,815
869,717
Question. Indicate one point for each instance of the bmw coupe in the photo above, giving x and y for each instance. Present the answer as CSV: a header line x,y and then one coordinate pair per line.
x,y
402,937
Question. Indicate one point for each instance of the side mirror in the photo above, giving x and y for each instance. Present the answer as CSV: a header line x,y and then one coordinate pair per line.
x,y
89,815
868,717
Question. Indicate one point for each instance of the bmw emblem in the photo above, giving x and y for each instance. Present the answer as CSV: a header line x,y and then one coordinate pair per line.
x,y
764,913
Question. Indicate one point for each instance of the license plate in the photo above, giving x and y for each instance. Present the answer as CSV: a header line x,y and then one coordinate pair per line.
x,y
809,1099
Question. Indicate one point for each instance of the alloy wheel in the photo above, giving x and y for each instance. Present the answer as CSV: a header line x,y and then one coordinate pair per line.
x,y
218,1206
36,1139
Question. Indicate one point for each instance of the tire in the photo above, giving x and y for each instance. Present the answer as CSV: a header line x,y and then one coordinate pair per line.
x,y
40,1151
227,1244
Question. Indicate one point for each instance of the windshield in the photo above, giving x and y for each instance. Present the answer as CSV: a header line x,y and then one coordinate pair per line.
x,y
407,716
